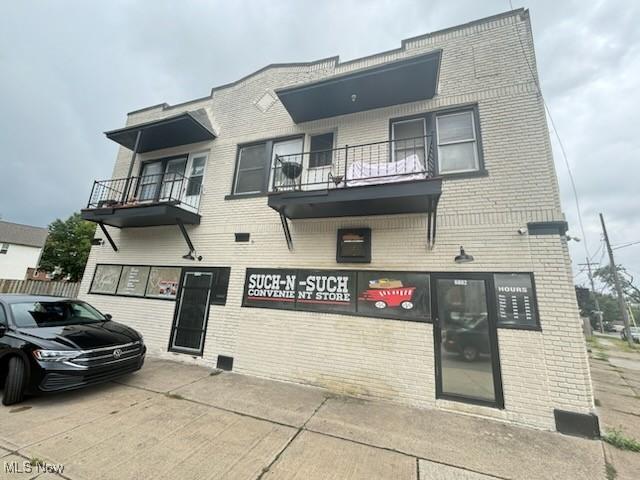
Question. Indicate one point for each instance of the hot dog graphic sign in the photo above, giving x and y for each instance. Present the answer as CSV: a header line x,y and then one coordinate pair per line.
x,y
388,293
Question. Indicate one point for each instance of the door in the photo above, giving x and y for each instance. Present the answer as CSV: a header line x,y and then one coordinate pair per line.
x,y
150,177
285,172
192,311
465,339
173,181
195,172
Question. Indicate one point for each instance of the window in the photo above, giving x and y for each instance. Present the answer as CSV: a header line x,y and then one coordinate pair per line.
x,y
457,143
251,173
196,175
163,282
133,281
3,317
254,168
105,279
4,248
321,150
408,139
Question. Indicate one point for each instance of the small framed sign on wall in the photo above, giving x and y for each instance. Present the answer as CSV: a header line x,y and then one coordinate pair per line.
x,y
354,245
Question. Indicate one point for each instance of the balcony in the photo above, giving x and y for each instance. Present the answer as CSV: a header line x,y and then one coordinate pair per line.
x,y
381,178
388,177
144,201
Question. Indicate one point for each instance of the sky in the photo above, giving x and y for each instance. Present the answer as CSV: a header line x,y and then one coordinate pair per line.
x,y
72,69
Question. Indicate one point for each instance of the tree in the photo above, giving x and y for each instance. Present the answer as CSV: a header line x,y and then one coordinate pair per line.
x,y
67,248
630,291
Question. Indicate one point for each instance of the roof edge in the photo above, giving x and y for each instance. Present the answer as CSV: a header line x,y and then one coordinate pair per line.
x,y
336,59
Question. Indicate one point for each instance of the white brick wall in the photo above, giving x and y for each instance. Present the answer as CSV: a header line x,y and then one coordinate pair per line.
x,y
482,64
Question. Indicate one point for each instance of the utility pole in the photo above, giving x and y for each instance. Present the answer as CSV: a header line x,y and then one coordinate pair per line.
x,y
616,279
593,292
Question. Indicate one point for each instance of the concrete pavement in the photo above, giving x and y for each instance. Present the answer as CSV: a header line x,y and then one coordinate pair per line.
x,y
616,382
178,421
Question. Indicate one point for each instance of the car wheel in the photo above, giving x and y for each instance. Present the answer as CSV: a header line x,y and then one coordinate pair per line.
x,y
15,382
380,304
469,353
407,305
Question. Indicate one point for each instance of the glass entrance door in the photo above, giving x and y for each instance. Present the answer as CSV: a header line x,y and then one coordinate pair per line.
x,y
465,338
192,310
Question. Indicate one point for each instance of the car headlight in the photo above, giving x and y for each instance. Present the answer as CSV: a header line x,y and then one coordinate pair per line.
x,y
55,355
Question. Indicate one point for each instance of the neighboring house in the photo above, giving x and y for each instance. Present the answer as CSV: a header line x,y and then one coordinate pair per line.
x,y
304,223
20,249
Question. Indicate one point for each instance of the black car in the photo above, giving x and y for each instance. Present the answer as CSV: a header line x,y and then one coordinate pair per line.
x,y
50,344
469,340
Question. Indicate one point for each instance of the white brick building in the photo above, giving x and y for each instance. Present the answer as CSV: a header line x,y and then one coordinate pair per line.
x,y
499,336
20,249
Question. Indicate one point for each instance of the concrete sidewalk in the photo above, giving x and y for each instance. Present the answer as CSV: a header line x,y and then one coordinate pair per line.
x,y
178,421
615,372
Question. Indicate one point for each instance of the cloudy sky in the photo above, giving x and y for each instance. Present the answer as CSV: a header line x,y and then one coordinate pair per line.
x,y
69,70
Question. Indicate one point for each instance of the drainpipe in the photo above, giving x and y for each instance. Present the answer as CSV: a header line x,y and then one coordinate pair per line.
x,y
125,192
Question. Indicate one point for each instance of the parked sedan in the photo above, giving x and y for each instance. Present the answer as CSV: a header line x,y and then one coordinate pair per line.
x,y
635,334
469,340
50,344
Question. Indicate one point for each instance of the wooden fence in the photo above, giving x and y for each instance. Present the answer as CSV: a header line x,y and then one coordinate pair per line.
x,y
36,287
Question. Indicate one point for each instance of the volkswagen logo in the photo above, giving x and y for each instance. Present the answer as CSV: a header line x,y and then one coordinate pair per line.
x,y
117,353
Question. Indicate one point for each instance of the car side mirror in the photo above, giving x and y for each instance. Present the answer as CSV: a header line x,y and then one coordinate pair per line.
x,y
3,330
108,316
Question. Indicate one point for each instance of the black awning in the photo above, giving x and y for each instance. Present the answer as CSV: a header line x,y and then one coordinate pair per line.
x,y
420,196
408,80
182,129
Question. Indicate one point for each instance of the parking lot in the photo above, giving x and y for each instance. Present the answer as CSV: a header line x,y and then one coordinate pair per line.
x,y
177,421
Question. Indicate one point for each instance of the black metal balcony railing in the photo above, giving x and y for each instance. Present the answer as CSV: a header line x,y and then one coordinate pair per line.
x,y
173,188
355,165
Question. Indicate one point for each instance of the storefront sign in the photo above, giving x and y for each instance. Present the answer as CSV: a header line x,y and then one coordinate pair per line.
x,y
270,288
326,291
378,294
515,300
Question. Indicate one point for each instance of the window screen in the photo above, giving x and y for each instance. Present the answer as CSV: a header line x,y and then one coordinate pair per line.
x,y
250,174
457,144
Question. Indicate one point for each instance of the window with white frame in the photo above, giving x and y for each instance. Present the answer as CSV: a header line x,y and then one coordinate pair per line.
x,y
409,139
457,143
4,248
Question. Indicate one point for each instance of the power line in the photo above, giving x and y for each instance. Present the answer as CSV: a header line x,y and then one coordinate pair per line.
x,y
616,247
555,130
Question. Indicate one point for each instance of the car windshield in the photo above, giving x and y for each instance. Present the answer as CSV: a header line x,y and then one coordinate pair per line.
x,y
54,314
634,329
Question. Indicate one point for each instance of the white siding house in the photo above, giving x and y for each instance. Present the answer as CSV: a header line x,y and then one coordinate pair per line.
x,y
20,249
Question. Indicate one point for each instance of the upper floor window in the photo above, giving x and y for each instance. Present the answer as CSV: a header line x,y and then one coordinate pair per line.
x,y
409,139
257,163
321,150
4,248
457,142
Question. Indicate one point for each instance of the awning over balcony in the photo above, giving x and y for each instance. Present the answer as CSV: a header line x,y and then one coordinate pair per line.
x,y
420,196
407,80
181,129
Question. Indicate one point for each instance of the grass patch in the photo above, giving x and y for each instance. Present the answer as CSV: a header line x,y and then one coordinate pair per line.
x,y
625,347
619,440
611,471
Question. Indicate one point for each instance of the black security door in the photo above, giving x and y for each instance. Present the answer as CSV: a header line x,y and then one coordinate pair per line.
x,y
465,339
192,311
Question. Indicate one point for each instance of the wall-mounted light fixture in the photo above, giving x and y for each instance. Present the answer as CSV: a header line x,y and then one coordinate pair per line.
x,y
464,257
